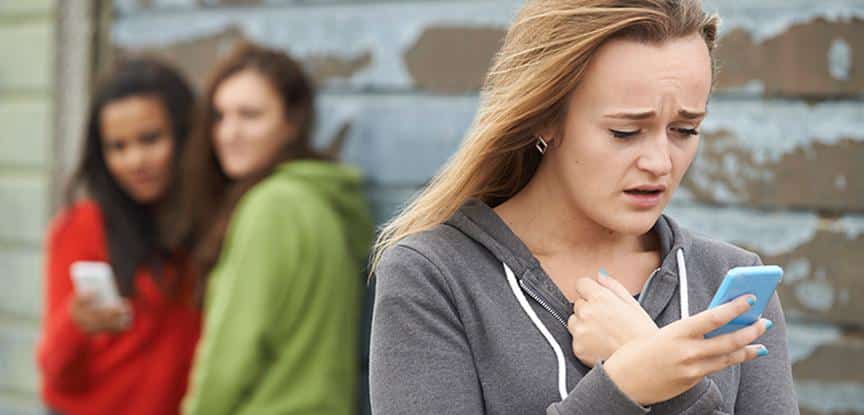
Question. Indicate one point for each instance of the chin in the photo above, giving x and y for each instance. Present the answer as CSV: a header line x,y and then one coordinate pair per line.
x,y
146,198
236,172
632,223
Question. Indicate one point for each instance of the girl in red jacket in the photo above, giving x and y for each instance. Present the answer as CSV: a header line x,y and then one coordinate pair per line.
x,y
134,357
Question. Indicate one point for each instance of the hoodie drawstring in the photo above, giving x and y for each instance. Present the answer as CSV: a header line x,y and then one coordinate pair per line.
x,y
520,296
683,295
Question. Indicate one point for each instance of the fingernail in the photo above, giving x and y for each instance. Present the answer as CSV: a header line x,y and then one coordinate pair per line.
x,y
768,324
762,351
603,273
751,300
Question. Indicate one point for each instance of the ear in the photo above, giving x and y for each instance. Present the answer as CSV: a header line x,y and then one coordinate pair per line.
x,y
551,135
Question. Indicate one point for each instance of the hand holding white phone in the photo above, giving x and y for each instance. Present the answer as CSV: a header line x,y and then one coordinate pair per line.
x,y
97,280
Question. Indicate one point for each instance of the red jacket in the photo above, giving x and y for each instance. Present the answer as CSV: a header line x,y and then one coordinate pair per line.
x,y
141,371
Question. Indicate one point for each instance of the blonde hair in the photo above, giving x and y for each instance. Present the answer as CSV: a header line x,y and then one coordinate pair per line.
x,y
543,59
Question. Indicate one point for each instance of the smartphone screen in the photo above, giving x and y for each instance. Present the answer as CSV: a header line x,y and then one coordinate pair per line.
x,y
97,279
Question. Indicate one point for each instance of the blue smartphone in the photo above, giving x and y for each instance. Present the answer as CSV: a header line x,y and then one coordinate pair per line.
x,y
760,281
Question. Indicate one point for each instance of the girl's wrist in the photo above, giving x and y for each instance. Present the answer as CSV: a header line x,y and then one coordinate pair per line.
x,y
624,381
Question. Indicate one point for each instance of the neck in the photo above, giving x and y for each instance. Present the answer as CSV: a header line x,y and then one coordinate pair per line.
x,y
550,225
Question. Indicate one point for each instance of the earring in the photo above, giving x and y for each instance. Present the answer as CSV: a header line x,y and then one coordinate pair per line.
x,y
541,144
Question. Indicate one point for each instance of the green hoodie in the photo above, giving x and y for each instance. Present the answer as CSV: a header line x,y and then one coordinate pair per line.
x,y
283,302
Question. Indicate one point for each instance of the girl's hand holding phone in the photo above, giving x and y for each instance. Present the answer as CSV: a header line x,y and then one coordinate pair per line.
x,y
93,318
97,306
657,368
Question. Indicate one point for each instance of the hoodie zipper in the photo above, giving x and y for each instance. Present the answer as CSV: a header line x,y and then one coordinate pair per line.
x,y
536,297
531,293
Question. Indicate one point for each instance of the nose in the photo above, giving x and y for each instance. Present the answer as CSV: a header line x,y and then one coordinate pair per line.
x,y
135,157
655,157
227,128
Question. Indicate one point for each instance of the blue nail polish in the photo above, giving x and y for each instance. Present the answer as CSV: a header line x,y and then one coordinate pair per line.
x,y
603,272
751,300
768,324
762,352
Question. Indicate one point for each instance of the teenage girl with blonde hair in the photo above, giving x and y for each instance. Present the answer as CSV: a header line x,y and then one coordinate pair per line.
x,y
492,296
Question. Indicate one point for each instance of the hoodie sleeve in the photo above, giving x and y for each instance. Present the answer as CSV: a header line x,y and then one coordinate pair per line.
x,y
596,393
62,349
420,360
275,288
766,385
703,399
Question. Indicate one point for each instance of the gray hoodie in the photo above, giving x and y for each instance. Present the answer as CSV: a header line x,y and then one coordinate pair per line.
x,y
449,335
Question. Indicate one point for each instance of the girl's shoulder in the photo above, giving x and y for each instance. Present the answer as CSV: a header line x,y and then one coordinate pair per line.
x,y
275,210
82,216
78,225
436,243
276,191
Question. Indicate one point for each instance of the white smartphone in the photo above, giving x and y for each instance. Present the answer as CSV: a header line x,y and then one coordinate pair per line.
x,y
97,279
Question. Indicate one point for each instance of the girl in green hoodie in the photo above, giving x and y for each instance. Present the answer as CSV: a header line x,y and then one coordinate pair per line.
x,y
281,234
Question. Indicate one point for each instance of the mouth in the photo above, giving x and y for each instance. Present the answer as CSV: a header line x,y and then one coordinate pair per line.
x,y
646,190
145,180
646,195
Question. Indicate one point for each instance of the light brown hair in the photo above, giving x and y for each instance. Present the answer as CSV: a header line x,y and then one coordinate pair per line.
x,y
208,196
544,57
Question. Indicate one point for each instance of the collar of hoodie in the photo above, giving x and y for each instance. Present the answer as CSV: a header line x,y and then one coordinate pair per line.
x,y
481,223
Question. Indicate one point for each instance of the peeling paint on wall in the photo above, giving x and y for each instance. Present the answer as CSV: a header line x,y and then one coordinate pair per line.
x,y
796,270
769,233
424,130
765,19
831,397
852,226
347,31
726,171
799,61
350,30
840,59
335,69
781,153
804,340
751,87
840,182
453,59
815,295
770,129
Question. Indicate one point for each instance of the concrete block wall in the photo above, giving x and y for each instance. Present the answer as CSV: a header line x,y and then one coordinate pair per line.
x,y
26,106
780,170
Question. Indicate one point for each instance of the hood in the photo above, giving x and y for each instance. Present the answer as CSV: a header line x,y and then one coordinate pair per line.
x,y
342,187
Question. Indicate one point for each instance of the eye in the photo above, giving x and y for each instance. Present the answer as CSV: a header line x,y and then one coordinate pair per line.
x,y
250,113
623,134
114,146
151,137
686,132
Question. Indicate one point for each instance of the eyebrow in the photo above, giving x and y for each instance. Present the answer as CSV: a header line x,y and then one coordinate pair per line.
x,y
690,115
